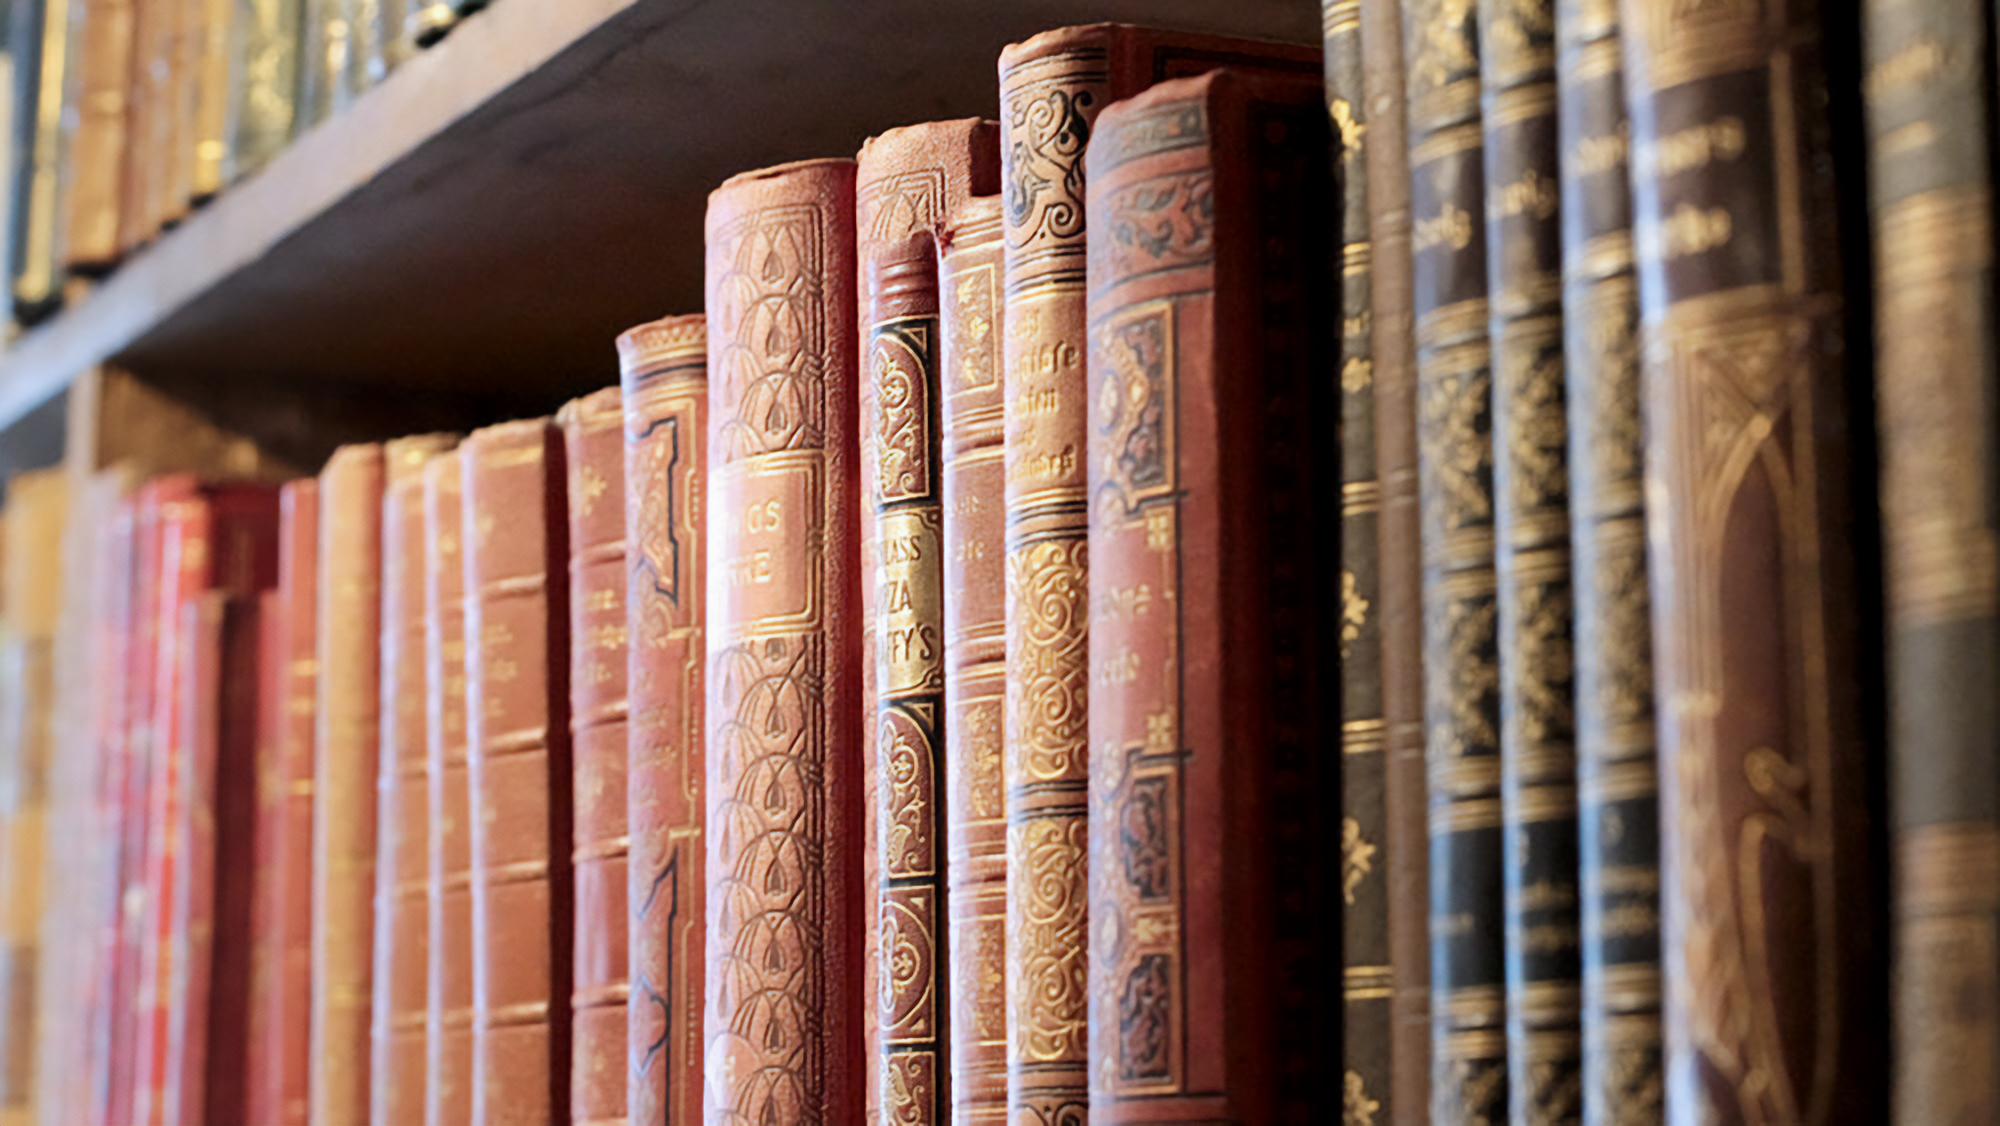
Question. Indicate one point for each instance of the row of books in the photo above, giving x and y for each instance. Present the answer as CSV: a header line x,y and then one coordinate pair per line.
x,y
125,115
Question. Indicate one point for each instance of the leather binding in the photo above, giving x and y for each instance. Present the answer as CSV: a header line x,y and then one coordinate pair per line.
x,y
36,271
112,665
398,1056
518,754
907,182
1212,716
664,378
1523,230
186,48
98,145
1399,610
139,218
207,150
1930,129
593,429
972,312
345,745
448,1004
1617,780
266,955
1774,1007
784,710
1455,480
1368,986
1051,89
263,84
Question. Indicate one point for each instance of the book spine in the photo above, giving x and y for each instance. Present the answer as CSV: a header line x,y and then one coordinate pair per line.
x,y
1767,871
784,709
187,42
261,1061
284,1099
908,181
263,84
197,643
1207,285
345,746
664,377
397,1045
972,314
1368,1008
1617,779
1929,81
1455,481
97,147
143,101
113,664
36,272
594,451
208,148
324,46
518,754
448,1004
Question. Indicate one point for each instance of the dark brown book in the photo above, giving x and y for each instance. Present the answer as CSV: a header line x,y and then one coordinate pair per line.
x,y
593,429
96,163
345,745
971,313
664,376
1930,126
1773,949
1213,710
448,1008
1052,88
784,713
518,754
1617,779
398,1056
907,182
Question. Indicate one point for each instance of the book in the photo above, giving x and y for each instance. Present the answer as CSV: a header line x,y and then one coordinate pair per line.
x,y
1930,131
345,746
663,368
448,1004
907,181
96,160
122,546
1617,779
972,396
206,151
1750,385
1052,87
1212,718
518,771
398,1054
325,49
784,719
39,34
593,429
263,84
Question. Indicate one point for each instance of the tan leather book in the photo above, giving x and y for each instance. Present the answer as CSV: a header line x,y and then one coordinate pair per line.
x,y
785,944
972,309
97,147
397,1056
593,429
1052,87
664,376
517,709
188,53
908,181
345,745
448,1006
207,150
150,139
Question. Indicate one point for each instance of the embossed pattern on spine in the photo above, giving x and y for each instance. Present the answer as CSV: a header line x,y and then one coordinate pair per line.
x,y
1460,604
1930,70
907,182
518,771
1367,1012
1774,998
1212,759
594,443
784,947
664,367
448,1003
973,394
1617,778
344,763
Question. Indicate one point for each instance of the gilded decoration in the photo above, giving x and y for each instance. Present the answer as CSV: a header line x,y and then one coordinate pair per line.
x,y
901,367
1356,1108
1048,615
1047,130
1357,858
767,339
1047,939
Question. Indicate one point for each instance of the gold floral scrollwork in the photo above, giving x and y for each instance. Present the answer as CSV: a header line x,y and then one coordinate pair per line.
x,y
1351,128
1357,858
1356,1108
1354,608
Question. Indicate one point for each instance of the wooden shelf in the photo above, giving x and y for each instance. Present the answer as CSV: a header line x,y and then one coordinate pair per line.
x,y
485,221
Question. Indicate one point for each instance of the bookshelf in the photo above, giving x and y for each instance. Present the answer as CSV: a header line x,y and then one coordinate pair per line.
x,y
465,241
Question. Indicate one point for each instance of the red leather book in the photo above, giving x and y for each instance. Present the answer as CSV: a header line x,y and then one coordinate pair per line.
x,y
907,182
266,956
344,760
1213,721
593,429
784,650
972,308
664,378
448,1007
402,798
517,707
